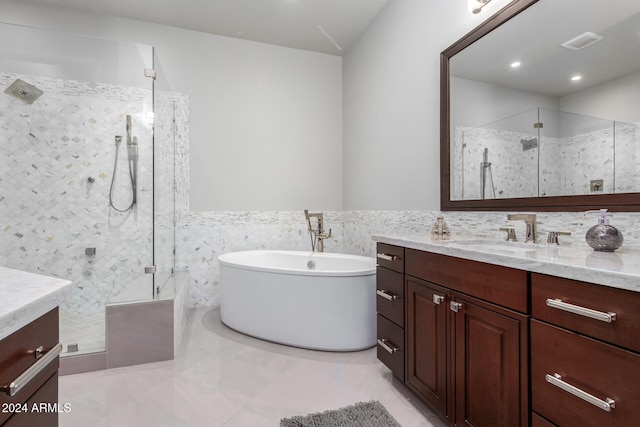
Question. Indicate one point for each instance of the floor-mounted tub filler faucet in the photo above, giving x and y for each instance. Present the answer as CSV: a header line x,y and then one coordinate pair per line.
x,y
530,221
317,234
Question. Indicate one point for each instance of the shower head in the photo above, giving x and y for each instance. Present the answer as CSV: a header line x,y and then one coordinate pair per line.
x,y
23,91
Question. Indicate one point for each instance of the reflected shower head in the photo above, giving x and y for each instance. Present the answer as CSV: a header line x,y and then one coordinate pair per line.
x,y
528,144
23,91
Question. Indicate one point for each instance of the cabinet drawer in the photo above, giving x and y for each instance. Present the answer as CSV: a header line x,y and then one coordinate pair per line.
x,y
592,367
17,354
504,286
623,331
391,346
390,295
391,257
45,417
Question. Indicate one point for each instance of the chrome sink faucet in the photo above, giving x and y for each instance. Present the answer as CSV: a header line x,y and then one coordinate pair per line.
x,y
317,234
530,221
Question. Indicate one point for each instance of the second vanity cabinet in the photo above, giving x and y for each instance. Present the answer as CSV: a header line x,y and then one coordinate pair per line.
x,y
29,362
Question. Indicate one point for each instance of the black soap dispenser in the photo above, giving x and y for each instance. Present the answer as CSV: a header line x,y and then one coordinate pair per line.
x,y
604,237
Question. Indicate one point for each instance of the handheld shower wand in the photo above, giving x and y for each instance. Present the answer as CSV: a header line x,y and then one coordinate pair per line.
x,y
132,157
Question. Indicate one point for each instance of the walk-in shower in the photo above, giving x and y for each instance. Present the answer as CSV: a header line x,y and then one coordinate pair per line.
x,y
70,206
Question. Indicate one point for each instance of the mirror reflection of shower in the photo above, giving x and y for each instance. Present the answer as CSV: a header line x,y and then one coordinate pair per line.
x,y
485,171
132,160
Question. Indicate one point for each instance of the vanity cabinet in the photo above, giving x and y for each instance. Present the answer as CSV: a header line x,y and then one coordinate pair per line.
x,y
467,342
29,359
585,353
390,307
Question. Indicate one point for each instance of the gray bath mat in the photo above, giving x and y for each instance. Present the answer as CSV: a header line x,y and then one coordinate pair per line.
x,y
362,414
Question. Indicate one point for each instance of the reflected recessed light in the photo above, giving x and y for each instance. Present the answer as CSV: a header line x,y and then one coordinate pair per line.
x,y
515,64
576,78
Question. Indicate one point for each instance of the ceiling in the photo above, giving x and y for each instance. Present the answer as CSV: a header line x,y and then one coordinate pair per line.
x,y
326,26
535,37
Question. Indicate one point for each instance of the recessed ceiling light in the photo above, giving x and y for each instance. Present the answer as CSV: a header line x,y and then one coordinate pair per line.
x,y
516,64
576,78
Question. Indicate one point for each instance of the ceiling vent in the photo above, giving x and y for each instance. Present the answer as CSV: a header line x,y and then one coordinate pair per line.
x,y
582,41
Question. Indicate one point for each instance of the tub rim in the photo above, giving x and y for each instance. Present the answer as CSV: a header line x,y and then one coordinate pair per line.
x,y
225,260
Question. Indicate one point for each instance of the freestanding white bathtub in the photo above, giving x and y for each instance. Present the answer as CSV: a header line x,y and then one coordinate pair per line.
x,y
320,301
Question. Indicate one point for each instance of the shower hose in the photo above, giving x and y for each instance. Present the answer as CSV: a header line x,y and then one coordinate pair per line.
x,y
132,157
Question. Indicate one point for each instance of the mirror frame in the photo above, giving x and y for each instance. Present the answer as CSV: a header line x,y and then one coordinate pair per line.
x,y
626,202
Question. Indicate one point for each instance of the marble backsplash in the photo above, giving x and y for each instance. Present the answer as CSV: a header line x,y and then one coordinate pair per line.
x,y
552,166
202,236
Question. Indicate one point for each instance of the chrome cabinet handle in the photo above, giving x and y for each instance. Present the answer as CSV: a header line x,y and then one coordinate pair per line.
x,y
605,405
388,257
437,299
382,342
386,295
455,306
18,384
582,311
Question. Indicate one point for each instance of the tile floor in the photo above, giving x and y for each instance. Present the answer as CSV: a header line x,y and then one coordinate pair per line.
x,y
223,378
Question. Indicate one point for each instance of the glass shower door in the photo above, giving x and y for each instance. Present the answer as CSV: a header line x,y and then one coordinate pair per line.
x,y
76,182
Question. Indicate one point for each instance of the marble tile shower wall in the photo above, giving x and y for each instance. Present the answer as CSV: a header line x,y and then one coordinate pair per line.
x,y
507,158
202,237
50,210
580,159
567,164
627,157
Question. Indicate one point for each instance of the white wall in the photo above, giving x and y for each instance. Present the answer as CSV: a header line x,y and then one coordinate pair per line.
x,y
475,103
391,80
616,100
266,121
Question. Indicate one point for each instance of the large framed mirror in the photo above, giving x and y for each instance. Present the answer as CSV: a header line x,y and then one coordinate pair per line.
x,y
539,109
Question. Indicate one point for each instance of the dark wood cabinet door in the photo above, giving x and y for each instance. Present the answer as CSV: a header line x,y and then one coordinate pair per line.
x,y
426,341
490,357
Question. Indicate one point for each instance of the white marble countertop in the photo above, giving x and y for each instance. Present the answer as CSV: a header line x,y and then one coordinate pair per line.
x,y
619,269
26,296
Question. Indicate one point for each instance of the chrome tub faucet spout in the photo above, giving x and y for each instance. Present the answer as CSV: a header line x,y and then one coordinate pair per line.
x,y
317,234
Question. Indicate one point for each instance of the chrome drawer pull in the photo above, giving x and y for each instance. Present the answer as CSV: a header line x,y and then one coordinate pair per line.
x,y
576,309
382,342
605,405
386,295
16,385
388,257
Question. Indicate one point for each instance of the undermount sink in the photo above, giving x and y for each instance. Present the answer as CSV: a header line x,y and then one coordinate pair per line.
x,y
484,245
